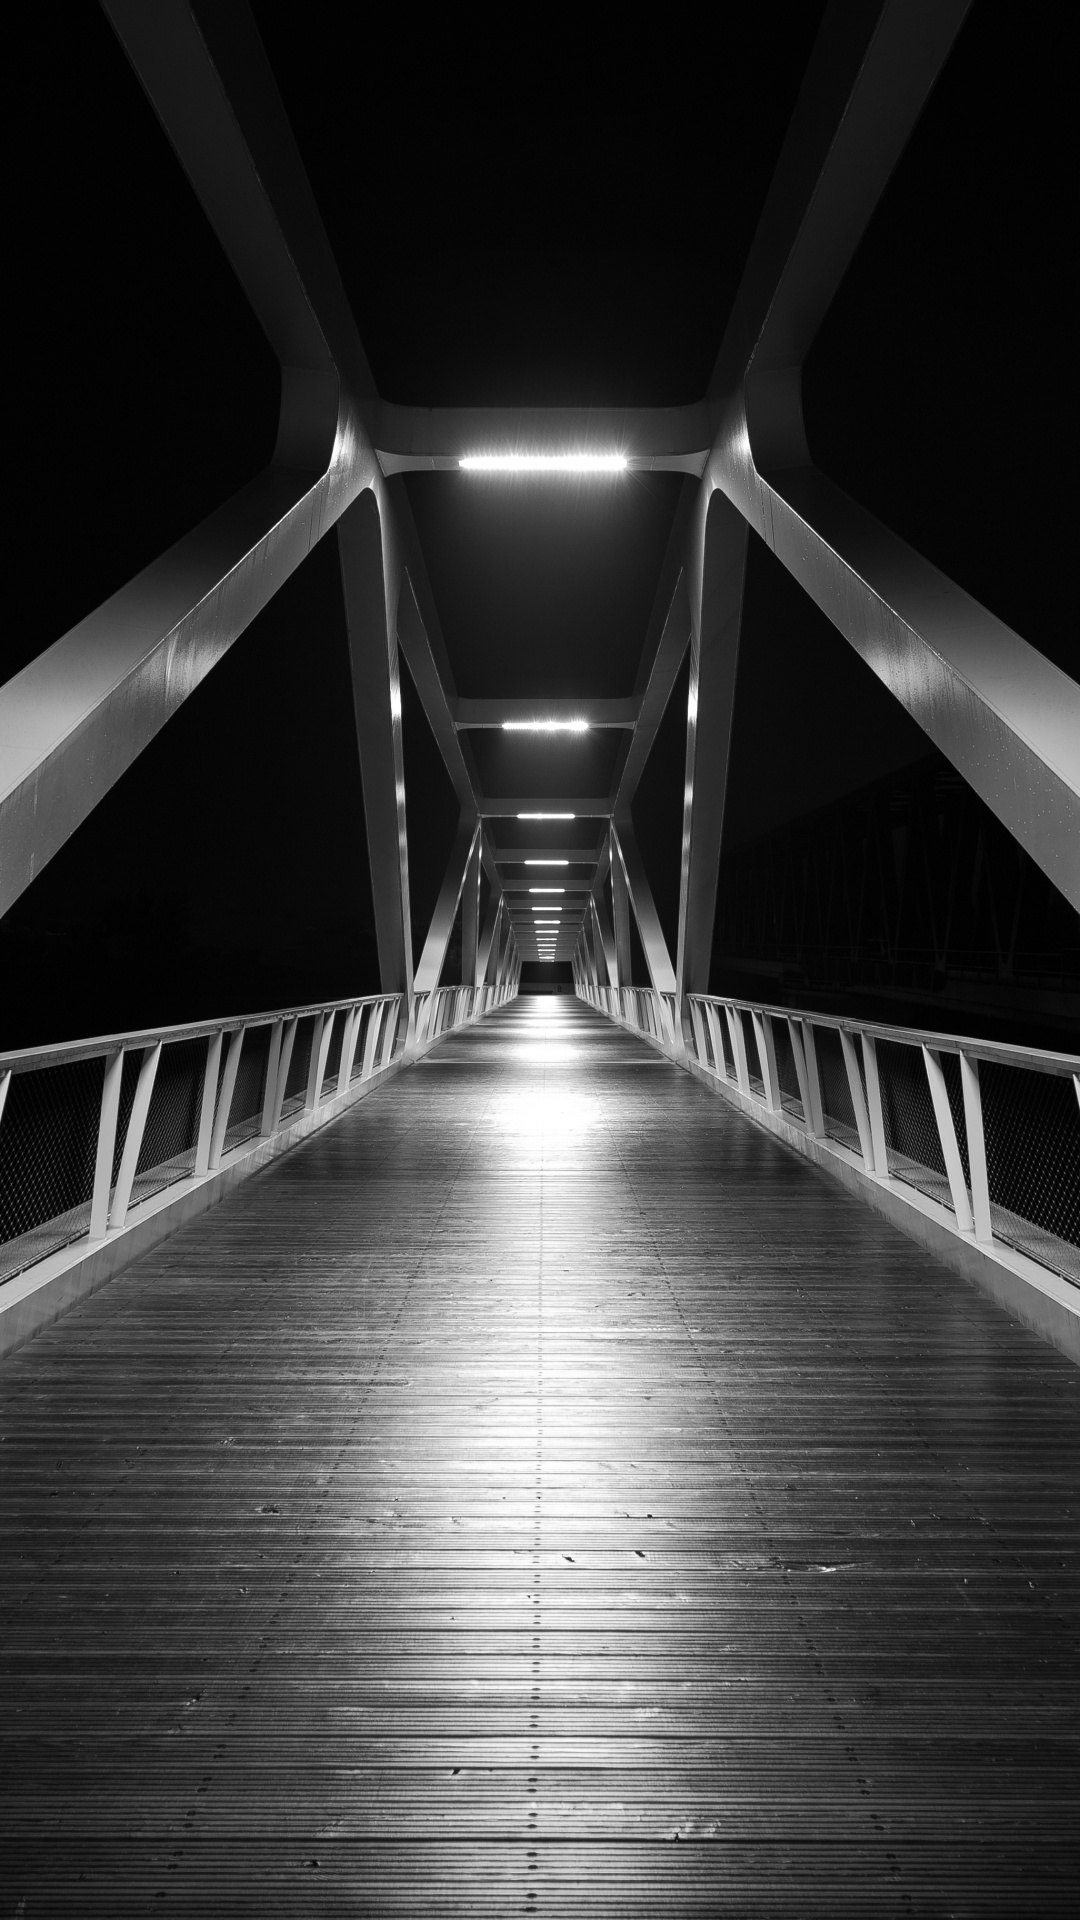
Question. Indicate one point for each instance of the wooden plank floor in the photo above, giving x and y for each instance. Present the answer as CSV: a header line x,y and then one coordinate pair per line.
x,y
538,1494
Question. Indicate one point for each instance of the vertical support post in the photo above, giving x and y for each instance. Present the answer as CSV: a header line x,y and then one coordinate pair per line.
x,y
228,1085
470,916
106,1144
348,1047
314,1074
5,1082
976,1146
763,1033
390,1027
862,1118
738,1047
698,1025
800,1071
625,854
320,1049
873,1101
620,903
483,952
954,1166
133,1140
816,1114
442,920
287,1045
716,578
273,1061
712,1015
371,1039
371,602
209,1101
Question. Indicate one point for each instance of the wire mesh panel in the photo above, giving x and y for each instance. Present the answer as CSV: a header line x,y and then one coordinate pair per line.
x,y
703,1045
786,1073
839,1113
48,1146
245,1111
912,1141
167,1153
1031,1123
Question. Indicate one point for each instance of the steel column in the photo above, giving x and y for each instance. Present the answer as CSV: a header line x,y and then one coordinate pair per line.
x,y
370,614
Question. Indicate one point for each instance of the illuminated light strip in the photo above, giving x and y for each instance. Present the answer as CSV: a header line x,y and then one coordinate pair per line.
x,y
545,726
546,863
547,889
547,816
543,463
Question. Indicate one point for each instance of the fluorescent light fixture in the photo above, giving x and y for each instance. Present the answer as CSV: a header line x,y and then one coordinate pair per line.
x,y
546,863
543,463
547,816
545,726
547,889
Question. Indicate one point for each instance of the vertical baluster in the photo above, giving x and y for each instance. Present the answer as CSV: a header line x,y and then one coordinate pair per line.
x,y
129,1159
976,1146
858,1101
273,1061
873,1100
228,1085
954,1167
106,1144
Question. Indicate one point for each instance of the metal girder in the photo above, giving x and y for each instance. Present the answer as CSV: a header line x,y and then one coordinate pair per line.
x,y
1004,716
668,658
605,935
657,957
73,721
435,690
714,652
373,656
476,714
470,917
620,901
430,965
427,439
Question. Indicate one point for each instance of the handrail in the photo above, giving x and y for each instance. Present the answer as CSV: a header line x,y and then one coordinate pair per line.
x,y
1003,1052
993,1156
124,1117
62,1051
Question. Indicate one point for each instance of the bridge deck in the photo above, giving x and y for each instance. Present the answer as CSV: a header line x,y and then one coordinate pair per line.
x,y
540,1492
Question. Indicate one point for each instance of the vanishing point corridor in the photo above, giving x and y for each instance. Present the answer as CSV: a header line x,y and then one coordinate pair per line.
x,y
539,1493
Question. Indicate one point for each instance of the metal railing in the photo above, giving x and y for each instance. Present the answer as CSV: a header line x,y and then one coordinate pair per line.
x,y
989,1133
92,1129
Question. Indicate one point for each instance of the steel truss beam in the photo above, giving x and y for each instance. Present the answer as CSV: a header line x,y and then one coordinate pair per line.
x,y
73,721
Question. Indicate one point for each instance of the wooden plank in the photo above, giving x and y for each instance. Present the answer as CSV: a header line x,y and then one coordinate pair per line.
x,y
539,1493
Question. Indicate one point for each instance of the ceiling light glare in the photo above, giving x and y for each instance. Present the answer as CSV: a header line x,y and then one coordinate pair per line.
x,y
547,889
547,863
543,463
545,726
547,816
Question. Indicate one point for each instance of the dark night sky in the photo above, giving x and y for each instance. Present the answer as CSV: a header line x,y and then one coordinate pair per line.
x,y
568,227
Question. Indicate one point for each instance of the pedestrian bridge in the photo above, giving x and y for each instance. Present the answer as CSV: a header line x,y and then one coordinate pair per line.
x,y
540,1490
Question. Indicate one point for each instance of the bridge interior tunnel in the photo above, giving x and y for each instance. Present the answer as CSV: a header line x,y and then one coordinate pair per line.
x,y
540,929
